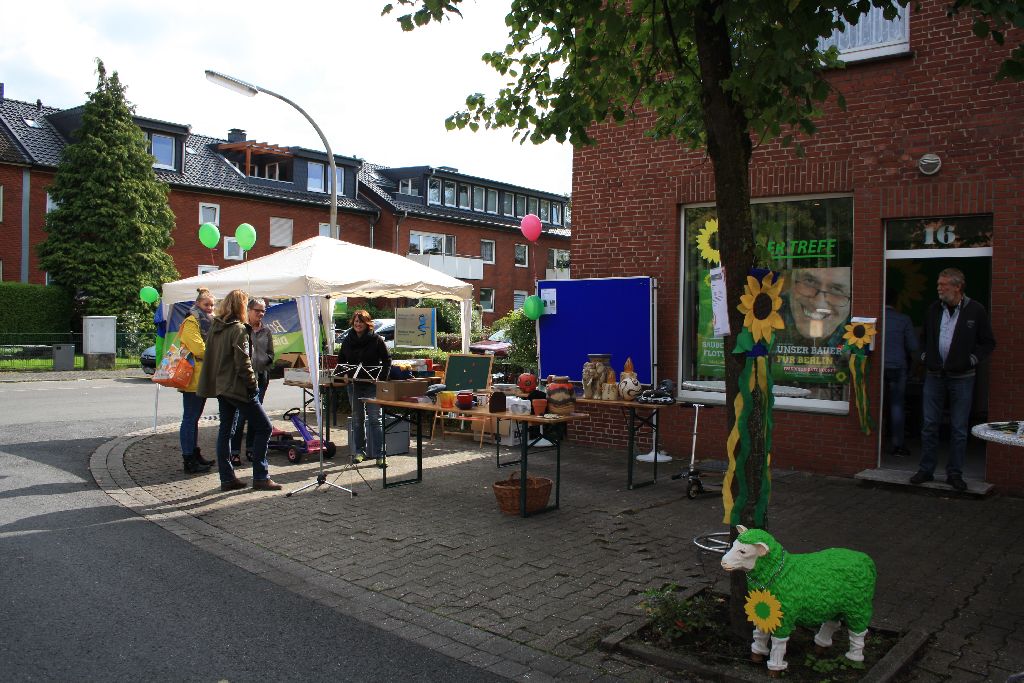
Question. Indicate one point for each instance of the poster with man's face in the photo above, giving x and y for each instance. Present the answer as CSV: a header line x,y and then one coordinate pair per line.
x,y
810,243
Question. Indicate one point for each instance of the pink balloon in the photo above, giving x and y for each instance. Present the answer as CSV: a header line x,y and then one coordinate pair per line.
x,y
530,227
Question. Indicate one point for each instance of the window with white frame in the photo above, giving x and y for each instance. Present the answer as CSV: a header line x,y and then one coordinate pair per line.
x,y
431,243
520,205
463,196
558,259
478,198
50,203
434,191
232,251
409,186
556,213
325,230
1,203
872,36
492,201
315,176
545,211
209,213
449,193
522,256
203,270
518,299
486,299
532,208
339,176
47,279
281,231
487,251
162,149
507,204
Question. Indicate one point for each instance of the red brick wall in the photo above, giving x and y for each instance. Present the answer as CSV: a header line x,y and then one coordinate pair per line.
x,y
627,194
10,222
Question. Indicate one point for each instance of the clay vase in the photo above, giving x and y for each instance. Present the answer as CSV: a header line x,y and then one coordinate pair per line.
x,y
589,373
561,395
609,392
629,386
600,363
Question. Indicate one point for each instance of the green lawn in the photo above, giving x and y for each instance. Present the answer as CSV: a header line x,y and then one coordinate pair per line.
x,y
46,364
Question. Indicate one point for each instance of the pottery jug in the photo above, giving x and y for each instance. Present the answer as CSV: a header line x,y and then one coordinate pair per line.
x,y
561,395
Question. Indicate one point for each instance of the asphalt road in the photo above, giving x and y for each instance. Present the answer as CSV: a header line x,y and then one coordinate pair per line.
x,y
90,592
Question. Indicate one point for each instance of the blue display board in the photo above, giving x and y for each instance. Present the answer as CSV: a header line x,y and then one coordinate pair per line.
x,y
601,315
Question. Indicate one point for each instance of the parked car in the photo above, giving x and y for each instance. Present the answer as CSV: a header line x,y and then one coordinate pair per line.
x,y
385,327
148,360
495,345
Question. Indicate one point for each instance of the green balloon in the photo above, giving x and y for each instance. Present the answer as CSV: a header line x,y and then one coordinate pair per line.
x,y
149,295
209,235
533,307
245,235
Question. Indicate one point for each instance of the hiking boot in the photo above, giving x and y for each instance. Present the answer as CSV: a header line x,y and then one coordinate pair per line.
x,y
921,477
192,466
232,485
198,455
266,485
957,482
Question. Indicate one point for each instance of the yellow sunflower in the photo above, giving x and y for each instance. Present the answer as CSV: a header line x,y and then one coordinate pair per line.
x,y
763,610
708,251
859,334
760,304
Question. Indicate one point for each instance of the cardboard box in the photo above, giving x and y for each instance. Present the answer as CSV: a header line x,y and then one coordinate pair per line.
x,y
293,360
398,389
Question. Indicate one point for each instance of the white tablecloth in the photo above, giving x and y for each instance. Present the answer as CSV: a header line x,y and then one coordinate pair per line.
x,y
985,431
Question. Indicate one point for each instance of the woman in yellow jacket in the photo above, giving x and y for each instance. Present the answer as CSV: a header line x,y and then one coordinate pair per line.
x,y
193,337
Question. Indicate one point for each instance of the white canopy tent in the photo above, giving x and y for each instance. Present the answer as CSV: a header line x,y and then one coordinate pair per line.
x,y
319,270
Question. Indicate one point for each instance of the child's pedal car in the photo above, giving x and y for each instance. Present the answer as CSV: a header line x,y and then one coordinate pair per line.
x,y
298,446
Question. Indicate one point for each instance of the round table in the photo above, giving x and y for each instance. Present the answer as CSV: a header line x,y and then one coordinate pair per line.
x,y
988,432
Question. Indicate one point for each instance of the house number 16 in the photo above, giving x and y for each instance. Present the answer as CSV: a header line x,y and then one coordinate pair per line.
x,y
943,235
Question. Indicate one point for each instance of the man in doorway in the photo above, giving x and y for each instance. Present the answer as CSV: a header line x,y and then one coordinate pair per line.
x,y
900,348
957,337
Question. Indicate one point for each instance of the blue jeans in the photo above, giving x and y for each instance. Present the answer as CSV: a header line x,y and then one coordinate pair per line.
x,y
960,391
192,405
895,397
263,381
365,418
259,423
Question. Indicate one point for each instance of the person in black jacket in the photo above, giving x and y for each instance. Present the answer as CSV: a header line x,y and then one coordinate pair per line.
x,y
957,337
362,346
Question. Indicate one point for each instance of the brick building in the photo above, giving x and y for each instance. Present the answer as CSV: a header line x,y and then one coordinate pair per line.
x,y
922,171
465,226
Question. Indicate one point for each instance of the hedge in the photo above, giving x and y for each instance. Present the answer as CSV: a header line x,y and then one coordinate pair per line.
x,y
28,308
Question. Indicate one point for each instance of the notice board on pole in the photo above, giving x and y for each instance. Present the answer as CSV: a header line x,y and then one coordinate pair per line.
x,y
615,315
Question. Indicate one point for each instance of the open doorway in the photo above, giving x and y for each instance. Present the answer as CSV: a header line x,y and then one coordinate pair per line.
x,y
911,275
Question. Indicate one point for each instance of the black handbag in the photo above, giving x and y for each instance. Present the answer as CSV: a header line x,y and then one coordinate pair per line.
x,y
497,402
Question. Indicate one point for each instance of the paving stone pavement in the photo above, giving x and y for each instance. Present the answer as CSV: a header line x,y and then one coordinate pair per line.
x,y
531,598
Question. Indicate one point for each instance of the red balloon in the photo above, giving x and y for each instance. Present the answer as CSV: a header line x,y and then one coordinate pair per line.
x,y
530,227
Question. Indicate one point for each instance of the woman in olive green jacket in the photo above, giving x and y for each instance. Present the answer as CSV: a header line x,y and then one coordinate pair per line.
x,y
193,329
228,376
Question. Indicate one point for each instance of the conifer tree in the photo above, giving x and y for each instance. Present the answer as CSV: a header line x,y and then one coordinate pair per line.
x,y
110,231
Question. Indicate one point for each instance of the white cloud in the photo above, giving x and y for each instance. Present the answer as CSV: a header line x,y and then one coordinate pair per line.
x,y
378,93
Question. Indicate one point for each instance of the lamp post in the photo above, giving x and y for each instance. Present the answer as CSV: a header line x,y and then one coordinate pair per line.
x,y
250,90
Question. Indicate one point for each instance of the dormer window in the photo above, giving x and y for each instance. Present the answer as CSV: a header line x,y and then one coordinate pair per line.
x,y
434,191
478,198
315,176
409,186
507,200
492,201
463,196
449,193
556,214
520,205
533,207
545,211
162,149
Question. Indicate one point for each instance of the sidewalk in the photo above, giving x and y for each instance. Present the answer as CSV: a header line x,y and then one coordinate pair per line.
x,y
531,598
65,375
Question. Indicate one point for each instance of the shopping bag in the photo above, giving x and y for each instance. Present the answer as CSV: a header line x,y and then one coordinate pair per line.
x,y
175,369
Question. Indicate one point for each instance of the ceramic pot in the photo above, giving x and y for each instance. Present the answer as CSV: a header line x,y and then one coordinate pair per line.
x,y
596,374
609,392
629,386
464,400
561,395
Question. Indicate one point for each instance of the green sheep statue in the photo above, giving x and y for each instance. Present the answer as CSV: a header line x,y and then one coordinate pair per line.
x,y
811,590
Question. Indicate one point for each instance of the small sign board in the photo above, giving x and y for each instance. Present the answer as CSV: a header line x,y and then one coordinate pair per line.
x,y
416,328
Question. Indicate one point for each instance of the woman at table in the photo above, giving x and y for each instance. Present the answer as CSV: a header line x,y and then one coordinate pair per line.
x,y
229,377
362,346
192,336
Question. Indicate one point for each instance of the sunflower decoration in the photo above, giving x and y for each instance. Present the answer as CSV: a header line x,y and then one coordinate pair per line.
x,y
708,250
763,610
859,334
760,304
858,338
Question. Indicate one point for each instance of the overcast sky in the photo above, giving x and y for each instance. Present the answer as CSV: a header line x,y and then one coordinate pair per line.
x,y
378,94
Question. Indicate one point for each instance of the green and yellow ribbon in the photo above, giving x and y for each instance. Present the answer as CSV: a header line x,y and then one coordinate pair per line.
x,y
858,338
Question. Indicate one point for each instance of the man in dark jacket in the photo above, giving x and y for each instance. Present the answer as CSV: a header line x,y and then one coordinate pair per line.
x,y
958,336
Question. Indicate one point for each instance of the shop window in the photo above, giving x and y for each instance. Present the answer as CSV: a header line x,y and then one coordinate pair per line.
x,y
487,251
522,256
810,242
872,36
486,299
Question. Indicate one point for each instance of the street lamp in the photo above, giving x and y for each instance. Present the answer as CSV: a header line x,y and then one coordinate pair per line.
x,y
250,90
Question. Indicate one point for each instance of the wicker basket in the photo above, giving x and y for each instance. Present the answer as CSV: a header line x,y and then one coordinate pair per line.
x,y
538,490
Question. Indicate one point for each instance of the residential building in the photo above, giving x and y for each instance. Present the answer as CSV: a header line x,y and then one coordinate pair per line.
x,y
921,171
284,192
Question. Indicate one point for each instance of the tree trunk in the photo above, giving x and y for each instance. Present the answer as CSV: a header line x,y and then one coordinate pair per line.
x,y
729,147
